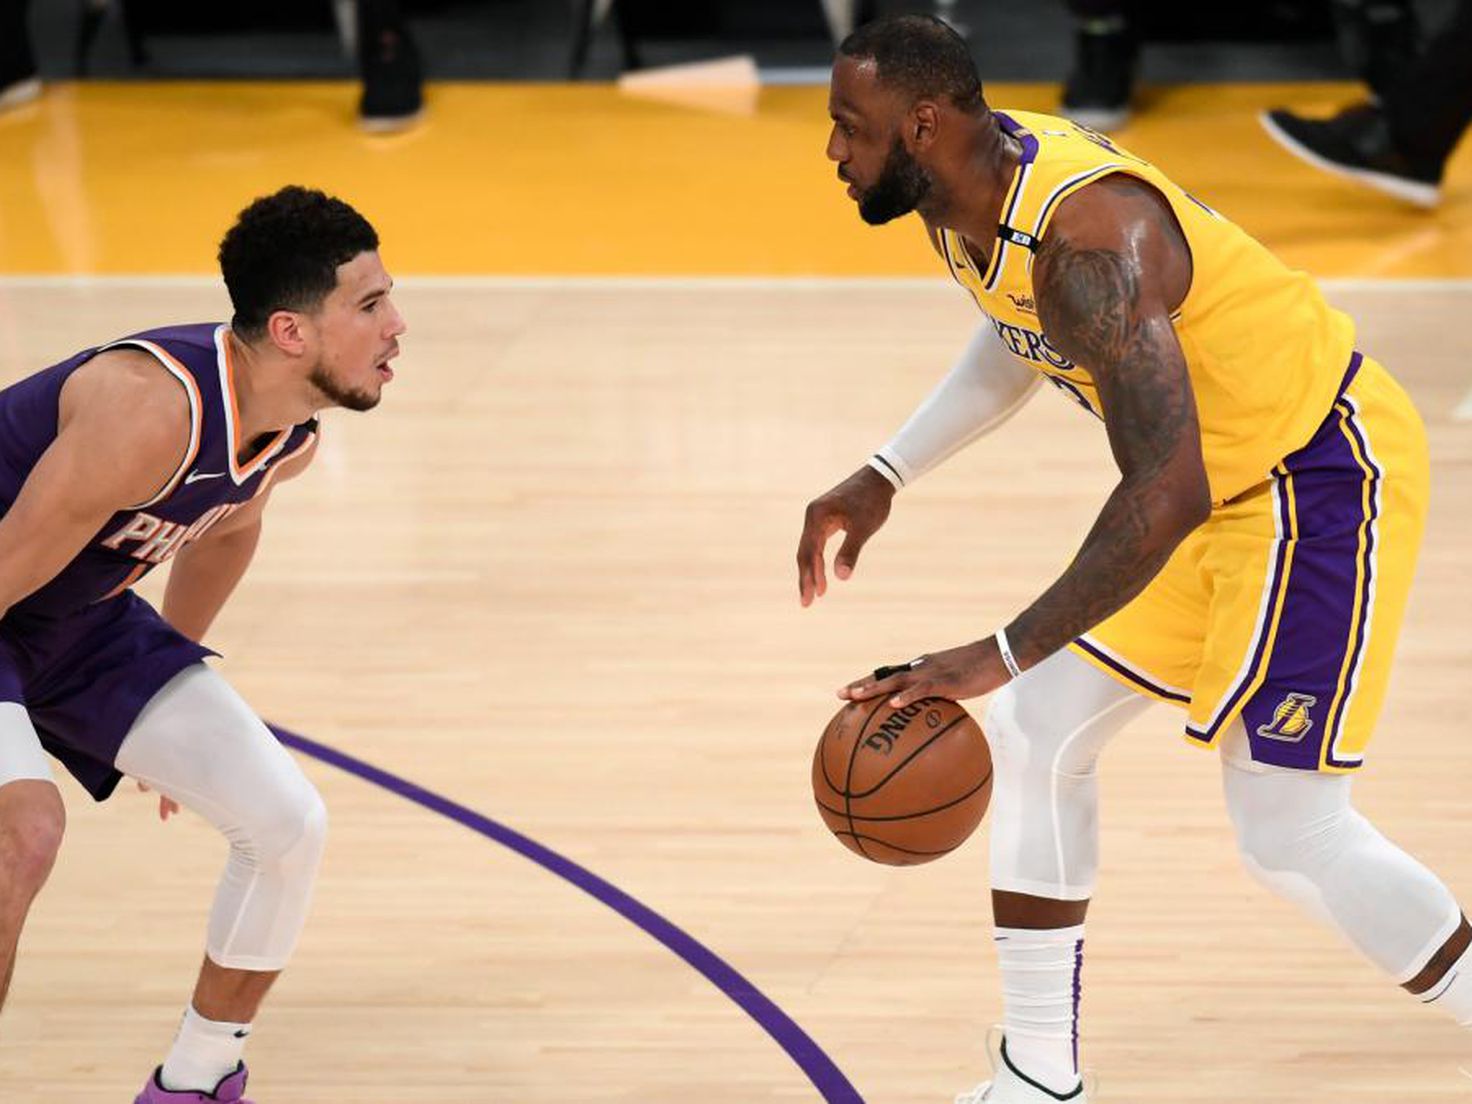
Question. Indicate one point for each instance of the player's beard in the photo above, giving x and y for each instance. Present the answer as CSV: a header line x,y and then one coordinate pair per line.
x,y
902,186
339,395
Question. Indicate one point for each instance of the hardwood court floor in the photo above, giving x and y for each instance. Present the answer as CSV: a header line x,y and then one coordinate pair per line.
x,y
551,578
578,179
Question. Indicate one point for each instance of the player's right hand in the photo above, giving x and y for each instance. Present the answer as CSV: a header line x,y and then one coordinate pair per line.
x,y
858,506
167,806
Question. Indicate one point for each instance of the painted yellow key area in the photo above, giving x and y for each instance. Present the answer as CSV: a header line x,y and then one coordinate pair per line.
x,y
121,178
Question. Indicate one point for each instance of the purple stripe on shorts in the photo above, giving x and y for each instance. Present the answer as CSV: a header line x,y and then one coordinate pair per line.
x,y
1324,593
1367,584
1305,472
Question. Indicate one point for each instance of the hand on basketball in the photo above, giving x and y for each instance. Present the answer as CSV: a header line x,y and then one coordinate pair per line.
x,y
858,506
965,672
167,806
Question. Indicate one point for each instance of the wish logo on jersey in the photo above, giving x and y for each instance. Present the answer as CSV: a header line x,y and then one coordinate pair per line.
x,y
156,540
1031,345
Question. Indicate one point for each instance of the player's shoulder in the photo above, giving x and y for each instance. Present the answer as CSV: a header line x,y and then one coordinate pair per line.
x,y
125,390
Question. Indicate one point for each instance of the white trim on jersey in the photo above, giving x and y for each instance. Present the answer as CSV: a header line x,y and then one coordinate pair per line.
x,y
196,411
227,401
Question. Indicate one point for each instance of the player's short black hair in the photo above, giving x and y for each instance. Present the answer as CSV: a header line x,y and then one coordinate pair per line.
x,y
921,55
283,252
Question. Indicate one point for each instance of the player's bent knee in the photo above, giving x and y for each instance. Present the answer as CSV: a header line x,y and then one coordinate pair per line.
x,y
32,823
1025,739
290,832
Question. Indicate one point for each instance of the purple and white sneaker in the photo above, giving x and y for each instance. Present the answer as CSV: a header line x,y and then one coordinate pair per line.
x,y
231,1090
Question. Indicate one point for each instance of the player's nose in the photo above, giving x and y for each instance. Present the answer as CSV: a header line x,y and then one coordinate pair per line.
x,y
835,151
396,326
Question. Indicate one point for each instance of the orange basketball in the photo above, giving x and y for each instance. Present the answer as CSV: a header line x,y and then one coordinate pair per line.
x,y
902,786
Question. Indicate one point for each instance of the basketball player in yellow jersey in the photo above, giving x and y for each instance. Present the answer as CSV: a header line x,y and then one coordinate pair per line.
x,y
1251,564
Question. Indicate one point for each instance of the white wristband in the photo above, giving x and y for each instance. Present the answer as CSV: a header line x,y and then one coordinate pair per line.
x,y
1006,649
887,468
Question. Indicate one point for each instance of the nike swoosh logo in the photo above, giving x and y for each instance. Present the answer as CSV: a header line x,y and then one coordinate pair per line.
x,y
240,1034
196,476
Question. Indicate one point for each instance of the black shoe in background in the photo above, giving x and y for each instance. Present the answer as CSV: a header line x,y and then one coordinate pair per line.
x,y
1357,145
19,81
1380,39
1097,93
393,80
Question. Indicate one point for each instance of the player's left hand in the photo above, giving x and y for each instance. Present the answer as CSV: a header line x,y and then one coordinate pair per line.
x,y
167,806
965,672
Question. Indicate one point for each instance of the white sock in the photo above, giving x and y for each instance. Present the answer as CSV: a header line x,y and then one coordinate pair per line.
x,y
1453,993
205,1052
1041,985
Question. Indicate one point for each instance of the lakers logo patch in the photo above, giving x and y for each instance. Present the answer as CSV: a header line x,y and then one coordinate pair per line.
x,y
1291,721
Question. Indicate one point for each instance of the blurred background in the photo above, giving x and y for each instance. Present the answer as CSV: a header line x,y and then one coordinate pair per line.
x,y
551,578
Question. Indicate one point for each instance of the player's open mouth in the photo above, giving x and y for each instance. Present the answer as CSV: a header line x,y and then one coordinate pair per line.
x,y
383,369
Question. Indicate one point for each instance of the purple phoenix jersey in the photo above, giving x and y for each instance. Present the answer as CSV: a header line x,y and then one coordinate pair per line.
x,y
83,653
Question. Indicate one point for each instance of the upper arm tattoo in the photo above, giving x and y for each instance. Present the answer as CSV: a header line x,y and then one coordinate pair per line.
x,y
1094,310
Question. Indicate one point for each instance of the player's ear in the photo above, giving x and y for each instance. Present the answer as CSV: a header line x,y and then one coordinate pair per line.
x,y
924,122
285,330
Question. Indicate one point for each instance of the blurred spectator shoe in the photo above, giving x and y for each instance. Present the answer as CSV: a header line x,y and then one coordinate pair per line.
x,y
19,92
19,82
1380,39
1357,144
1097,93
393,82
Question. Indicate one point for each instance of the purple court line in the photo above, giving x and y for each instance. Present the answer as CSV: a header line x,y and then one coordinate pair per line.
x,y
826,1077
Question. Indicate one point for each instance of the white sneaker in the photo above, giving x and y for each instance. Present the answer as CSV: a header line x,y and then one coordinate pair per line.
x,y
1009,1085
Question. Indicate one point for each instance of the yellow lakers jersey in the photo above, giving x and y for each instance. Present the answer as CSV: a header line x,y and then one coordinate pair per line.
x,y
1265,352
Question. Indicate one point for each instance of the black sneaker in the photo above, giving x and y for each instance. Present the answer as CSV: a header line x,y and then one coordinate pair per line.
x,y
1097,93
393,81
1356,144
1381,39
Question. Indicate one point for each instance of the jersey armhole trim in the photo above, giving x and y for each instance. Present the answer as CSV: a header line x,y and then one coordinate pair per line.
x,y
196,411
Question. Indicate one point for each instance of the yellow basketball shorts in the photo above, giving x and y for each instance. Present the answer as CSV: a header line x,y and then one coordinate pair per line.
x,y
1283,608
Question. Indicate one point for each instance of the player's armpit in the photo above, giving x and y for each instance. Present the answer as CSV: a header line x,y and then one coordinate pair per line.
x,y
123,429
1105,286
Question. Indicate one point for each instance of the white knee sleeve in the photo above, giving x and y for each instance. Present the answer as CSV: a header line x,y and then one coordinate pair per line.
x,y
1046,729
200,744
1300,836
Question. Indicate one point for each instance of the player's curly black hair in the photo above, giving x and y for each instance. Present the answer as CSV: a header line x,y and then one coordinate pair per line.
x,y
283,252
920,55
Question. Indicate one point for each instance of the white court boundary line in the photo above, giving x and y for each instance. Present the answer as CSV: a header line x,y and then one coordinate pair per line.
x,y
1462,412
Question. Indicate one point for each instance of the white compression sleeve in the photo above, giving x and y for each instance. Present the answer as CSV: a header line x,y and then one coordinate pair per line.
x,y
1047,728
984,388
1300,836
200,744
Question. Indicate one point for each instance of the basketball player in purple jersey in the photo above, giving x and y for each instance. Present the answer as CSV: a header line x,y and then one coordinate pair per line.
x,y
166,446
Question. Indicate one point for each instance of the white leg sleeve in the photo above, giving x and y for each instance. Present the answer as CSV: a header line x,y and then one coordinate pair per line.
x,y
1300,836
1046,728
21,755
200,744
